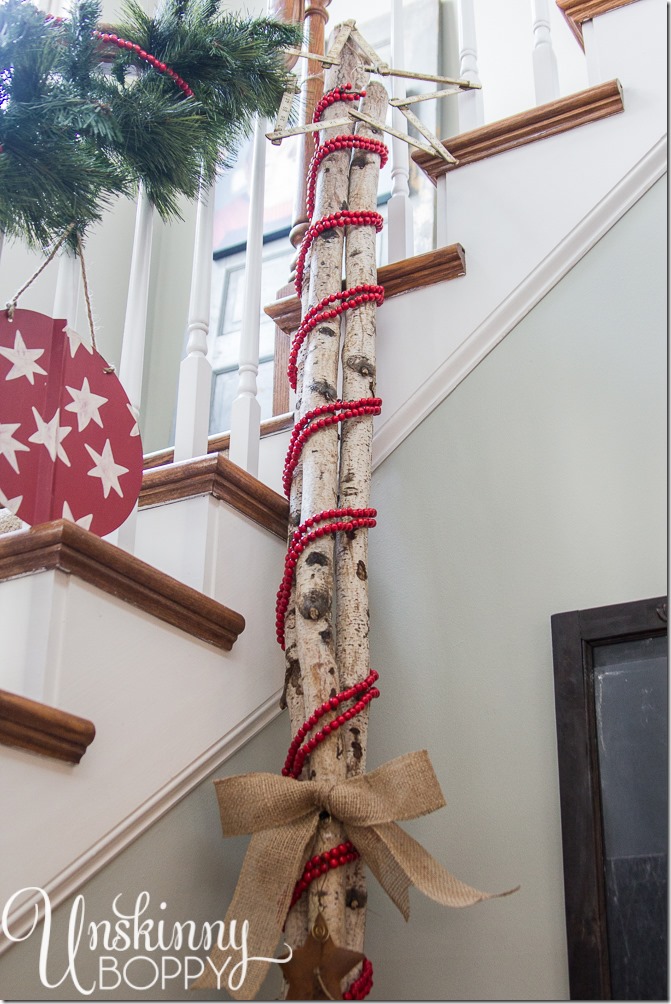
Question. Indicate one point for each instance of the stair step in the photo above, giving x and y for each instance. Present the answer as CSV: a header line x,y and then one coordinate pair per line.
x,y
69,548
577,12
216,475
397,277
550,119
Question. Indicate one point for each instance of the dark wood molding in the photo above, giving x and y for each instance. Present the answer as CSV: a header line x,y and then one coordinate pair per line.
x,y
398,277
33,726
538,123
575,635
577,12
222,440
216,475
71,549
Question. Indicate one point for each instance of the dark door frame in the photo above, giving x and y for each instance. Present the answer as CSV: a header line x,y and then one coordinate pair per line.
x,y
575,635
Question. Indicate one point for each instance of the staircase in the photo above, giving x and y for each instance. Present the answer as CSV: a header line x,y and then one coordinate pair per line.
x,y
169,655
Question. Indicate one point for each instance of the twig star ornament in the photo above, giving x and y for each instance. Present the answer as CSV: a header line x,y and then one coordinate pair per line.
x,y
317,969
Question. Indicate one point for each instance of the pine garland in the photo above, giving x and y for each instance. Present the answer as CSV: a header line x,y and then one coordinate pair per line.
x,y
82,121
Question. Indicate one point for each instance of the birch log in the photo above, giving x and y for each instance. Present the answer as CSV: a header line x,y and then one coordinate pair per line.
x,y
358,381
314,590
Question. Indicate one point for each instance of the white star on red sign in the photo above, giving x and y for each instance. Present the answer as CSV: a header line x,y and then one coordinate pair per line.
x,y
51,434
22,359
135,431
9,446
86,405
106,469
75,340
11,504
84,521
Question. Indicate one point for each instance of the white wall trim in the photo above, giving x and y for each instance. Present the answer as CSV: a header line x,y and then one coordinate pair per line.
x,y
134,825
523,298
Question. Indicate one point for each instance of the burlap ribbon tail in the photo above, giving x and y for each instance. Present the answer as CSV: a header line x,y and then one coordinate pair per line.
x,y
282,815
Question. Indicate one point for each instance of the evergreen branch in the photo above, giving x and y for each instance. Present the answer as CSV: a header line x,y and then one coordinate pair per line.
x,y
73,134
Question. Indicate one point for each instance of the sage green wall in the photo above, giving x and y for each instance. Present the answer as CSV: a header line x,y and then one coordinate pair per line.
x,y
183,861
538,486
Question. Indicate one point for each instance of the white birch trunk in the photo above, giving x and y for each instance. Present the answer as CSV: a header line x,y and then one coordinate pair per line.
x,y
315,570
358,381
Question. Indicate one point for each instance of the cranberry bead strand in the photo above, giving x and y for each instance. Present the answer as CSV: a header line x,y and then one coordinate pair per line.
x,y
327,309
325,415
362,693
320,864
146,57
343,218
302,536
362,985
342,93
353,142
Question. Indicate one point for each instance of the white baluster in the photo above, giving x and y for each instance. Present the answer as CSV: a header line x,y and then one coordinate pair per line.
x,y
399,208
66,296
546,79
134,332
246,410
195,372
135,322
471,109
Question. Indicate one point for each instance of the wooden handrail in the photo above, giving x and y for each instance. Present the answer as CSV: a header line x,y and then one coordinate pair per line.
x,y
546,120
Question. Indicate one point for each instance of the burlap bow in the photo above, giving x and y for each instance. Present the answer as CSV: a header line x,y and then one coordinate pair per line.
x,y
283,814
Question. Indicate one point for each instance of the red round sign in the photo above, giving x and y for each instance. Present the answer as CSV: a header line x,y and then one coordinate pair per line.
x,y
69,440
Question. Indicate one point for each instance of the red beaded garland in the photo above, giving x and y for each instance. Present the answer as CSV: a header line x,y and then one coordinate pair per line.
x,y
304,535
329,146
343,218
344,93
364,692
326,310
146,57
326,414
320,864
362,985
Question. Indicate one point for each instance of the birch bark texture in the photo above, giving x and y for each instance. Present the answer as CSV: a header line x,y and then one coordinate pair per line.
x,y
358,381
314,648
327,620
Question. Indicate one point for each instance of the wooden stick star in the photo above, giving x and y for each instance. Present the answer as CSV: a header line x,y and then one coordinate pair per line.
x,y
318,967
